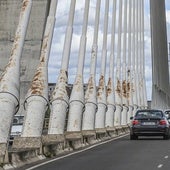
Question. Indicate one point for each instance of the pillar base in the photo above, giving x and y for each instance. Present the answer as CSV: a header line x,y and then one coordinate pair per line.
x,y
20,158
89,137
100,133
75,139
51,139
125,128
73,135
53,144
26,143
111,131
3,147
100,130
88,133
119,130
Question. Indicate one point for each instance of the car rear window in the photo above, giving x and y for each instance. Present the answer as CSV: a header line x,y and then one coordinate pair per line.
x,y
146,114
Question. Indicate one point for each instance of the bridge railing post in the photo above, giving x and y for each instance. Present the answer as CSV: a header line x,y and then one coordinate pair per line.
x,y
90,94
10,79
109,121
118,84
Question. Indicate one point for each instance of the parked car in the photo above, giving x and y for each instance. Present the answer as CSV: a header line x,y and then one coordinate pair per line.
x,y
16,128
149,123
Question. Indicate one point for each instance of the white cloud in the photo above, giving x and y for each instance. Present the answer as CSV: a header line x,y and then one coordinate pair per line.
x,y
168,16
59,37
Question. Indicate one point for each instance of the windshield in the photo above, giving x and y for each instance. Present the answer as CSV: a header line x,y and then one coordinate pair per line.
x,y
149,114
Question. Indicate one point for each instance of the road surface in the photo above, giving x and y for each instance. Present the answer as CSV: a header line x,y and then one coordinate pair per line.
x,y
121,154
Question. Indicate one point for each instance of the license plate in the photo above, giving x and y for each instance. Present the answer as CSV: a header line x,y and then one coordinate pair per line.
x,y
148,123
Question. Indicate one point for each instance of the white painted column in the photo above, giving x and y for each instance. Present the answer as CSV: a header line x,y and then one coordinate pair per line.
x,y
137,55
129,70
101,93
134,94
141,88
118,88
76,104
109,122
145,105
60,97
37,97
10,79
124,70
90,94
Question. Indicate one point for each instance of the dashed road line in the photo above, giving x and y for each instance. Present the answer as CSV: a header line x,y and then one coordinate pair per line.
x,y
160,165
166,157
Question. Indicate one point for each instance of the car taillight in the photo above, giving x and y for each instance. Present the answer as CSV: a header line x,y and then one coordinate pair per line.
x,y
163,122
135,122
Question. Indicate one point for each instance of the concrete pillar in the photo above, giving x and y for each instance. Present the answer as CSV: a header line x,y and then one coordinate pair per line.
x,y
101,92
37,96
145,105
109,122
60,97
118,85
76,103
124,68
137,64
129,65
90,94
160,74
10,79
134,90
9,17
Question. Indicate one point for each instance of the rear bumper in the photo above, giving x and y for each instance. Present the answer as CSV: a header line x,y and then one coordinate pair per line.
x,y
144,131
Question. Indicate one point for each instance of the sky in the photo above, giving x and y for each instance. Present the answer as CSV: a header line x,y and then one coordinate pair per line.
x,y
59,36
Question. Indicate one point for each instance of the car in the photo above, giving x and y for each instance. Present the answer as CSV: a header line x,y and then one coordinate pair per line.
x,y
16,128
167,114
149,122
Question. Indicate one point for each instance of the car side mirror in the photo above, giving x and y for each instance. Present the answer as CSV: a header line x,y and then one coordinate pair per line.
x,y
131,117
168,120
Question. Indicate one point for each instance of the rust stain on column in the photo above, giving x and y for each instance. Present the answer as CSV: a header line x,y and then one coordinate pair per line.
x,y
118,87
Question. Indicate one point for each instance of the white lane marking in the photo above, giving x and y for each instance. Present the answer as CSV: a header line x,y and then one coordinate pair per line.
x,y
166,157
160,165
36,166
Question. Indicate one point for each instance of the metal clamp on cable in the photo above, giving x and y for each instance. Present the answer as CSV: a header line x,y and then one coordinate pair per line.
x,y
59,98
48,104
114,107
94,104
18,104
104,105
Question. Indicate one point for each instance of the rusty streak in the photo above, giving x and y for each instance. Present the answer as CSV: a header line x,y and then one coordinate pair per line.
x,y
124,88
109,88
118,87
101,85
25,3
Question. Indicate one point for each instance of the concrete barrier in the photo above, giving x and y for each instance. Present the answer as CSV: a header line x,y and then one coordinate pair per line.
x,y
28,150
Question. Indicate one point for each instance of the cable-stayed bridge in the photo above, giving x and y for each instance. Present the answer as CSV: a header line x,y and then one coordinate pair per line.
x,y
89,112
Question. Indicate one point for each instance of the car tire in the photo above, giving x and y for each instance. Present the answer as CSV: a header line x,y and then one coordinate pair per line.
x,y
133,137
166,137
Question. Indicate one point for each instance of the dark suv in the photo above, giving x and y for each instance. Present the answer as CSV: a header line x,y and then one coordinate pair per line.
x,y
149,123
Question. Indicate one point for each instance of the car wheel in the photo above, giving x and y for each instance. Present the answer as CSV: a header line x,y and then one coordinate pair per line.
x,y
133,137
166,137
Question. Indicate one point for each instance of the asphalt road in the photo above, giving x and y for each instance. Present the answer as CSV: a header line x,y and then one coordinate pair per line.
x,y
121,154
